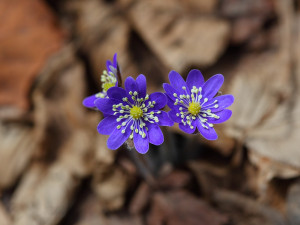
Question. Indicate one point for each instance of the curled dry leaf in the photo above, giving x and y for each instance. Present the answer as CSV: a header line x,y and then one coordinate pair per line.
x,y
114,34
4,216
29,36
111,188
180,207
173,33
266,110
65,153
18,142
293,203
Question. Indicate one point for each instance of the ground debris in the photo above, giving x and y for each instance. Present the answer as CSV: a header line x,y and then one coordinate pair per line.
x,y
179,207
55,168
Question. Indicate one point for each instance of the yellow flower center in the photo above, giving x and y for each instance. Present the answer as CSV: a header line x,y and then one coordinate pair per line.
x,y
107,86
136,112
194,108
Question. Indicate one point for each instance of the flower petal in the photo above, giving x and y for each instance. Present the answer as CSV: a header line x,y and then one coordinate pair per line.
x,y
224,115
116,93
172,115
108,65
195,78
170,91
107,125
117,138
155,134
130,85
90,101
142,86
164,119
159,98
170,103
141,144
115,62
105,105
223,102
212,86
209,134
178,82
186,128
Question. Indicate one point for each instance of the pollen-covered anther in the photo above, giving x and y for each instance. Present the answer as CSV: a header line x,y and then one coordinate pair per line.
x,y
136,112
107,86
194,108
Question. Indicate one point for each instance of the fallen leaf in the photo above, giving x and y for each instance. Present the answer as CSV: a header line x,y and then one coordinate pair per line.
x,y
180,207
29,35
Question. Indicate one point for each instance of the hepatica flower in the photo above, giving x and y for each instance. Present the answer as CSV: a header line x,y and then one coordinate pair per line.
x,y
194,105
131,113
108,79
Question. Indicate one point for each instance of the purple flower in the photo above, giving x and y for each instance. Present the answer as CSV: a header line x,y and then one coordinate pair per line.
x,y
108,79
131,113
193,103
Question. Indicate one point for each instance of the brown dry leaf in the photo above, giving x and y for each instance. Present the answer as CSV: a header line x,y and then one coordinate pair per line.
x,y
259,120
49,200
234,8
114,34
4,217
267,107
293,206
245,28
245,210
90,212
110,187
201,6
109,182
66,150
125,220
180,207
177,179
29,36
178,38
140,199
18,142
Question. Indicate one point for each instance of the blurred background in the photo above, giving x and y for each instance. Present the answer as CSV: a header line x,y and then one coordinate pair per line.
x,y
55,169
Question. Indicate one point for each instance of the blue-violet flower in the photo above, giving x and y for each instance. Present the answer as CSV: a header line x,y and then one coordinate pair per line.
x,y
108,79
193,103
131,113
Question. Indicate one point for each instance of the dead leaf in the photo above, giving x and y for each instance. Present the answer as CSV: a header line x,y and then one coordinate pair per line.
x,y
178,38
4,216
29,36
140,199
180,207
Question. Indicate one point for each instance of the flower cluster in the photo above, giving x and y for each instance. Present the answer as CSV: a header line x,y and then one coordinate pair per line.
x,y
130,113
194,105
108,80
